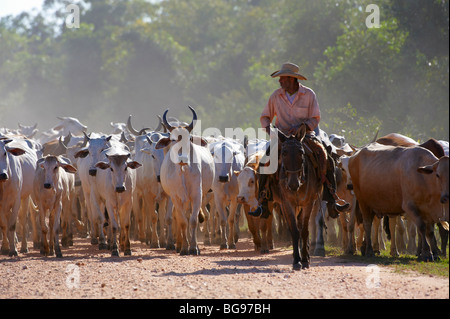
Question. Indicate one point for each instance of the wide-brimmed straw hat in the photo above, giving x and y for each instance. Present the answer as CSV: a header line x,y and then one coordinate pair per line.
x,y
288,69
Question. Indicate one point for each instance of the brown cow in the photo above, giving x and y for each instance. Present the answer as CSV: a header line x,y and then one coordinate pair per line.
x,y
260,228
436,148
387,181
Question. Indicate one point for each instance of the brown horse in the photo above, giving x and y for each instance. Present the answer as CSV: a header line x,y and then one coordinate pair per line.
x,y
298,189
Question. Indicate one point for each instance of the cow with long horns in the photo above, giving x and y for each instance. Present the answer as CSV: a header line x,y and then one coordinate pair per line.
x,y
187,173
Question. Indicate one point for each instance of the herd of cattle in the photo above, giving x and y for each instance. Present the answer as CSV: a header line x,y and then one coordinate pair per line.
x,y
160,185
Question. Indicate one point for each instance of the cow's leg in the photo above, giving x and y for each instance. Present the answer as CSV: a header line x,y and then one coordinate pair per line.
x,y
55,218
114,227
344,229
193,223
220,206
401,244
91,217
444,239
432,240
5,243
231,221
368,217
412,246
125,222
99,221
392,226
207,222
414,214
266,231
162,212
319,223
44,248
153,219
23,221
376,235
181,227
12,227
253,227
351,244
169,224
34,225
139,212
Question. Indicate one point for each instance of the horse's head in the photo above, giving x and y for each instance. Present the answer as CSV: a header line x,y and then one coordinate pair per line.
x,y
292,159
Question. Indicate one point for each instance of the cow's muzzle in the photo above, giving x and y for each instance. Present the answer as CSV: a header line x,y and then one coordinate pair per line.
x,y
47,185
224,178
120,189
93,172
3,177
444,199
158,178
241,199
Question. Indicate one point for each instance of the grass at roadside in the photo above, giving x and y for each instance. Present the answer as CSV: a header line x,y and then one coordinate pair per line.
x,y
404,263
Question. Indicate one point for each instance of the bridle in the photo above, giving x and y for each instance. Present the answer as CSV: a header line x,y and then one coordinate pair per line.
x,y
294,143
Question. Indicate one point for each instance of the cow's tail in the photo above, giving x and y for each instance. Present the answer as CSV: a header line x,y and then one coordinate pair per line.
x,y
358,215
183,184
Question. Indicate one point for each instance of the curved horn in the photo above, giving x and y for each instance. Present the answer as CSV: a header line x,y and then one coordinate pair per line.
x,y
194,119
130,127
86,138
166,124
159,124
144,130
60,142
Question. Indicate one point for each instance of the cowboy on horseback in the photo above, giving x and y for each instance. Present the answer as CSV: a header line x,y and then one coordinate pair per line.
x,y
293,105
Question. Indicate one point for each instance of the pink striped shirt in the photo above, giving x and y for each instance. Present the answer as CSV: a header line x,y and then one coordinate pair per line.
x,y
304,108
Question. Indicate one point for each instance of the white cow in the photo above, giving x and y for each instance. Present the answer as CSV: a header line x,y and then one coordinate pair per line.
x,y
151,193
54,188
228,158
88,157
33,151
10,190
116,182
187,173
66,125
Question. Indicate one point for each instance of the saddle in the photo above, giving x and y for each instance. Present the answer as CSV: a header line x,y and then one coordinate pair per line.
x,y
317,154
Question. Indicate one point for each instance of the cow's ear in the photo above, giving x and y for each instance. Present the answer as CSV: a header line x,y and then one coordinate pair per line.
x,y
68,168
198,140
426,169
15,151
162,143
102,165
133,164
82,153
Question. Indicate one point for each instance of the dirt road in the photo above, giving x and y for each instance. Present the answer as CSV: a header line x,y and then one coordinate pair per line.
x,y
86,272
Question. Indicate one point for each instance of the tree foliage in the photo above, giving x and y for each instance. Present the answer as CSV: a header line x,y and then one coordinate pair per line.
x,y
139,57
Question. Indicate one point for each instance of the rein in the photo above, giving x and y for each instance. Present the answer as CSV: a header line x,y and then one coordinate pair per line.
x,y
296,171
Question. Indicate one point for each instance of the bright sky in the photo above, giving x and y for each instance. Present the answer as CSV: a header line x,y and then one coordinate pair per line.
x,y
17,6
